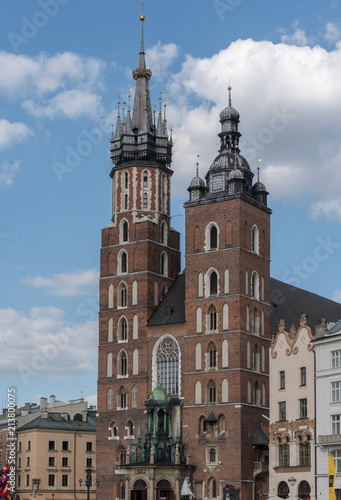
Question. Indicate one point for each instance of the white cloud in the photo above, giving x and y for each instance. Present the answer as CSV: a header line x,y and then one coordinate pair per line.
x,y
23,75
41,343
71,104
11,133
333,32
297,37
66,284
337,296
92,400
60,85
160,57
289,117
7,172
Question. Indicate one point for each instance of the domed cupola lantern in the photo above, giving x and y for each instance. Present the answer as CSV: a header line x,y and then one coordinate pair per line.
x,y
197,186
259,191
217,177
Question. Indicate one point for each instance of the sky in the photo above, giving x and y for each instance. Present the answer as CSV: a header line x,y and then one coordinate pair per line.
x,y
63,64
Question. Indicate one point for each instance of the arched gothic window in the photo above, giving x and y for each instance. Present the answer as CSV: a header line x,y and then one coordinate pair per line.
x,y
145,200
213,238
134,396
212,393
164,264
122,329
122,363
213,283
124,262
145,179
167,360
213,318
126,180
255,239
125,229
122,456
122,293
212,487
123,398
255,285
164,232
110,399
213,356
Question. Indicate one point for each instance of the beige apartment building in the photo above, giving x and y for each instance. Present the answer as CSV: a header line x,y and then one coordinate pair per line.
x,y
54,447
292,414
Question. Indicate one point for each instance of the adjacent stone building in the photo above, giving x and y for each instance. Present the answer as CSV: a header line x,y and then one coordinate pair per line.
x,y
292,413
327,347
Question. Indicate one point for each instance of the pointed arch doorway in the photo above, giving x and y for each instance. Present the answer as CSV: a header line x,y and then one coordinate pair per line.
x,y
139,491
164,490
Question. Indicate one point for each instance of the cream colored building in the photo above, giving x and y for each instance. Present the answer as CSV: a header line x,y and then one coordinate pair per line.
x,y
54,447
327,347
292,414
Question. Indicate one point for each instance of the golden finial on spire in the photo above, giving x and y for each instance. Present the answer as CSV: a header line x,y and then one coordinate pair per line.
x,y
258,168
229,88
158,377
197,164
142,17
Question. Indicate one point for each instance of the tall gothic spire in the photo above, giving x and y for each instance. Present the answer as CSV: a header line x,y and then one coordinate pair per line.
x,y
151,143
142,112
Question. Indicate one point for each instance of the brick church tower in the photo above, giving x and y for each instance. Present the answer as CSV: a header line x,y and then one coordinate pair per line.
x,y
227,319
183,366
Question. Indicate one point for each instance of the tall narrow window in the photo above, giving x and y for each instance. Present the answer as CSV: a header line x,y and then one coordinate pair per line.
x,y
255,285
164,264
197,393
110,399
303,375
226,281
224,391
284,453
255,239
122,329
303,408
109,364
110,330
122,295
134,397
282,407
145,200
124,264
212,393
126,180
213,318
167,360
213,356
164,233
213,238
213,283
111,297
225,354
282,379
125,229
145,179
125,202
122,363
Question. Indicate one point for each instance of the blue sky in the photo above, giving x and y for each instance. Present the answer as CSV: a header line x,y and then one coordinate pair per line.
x,y
62,65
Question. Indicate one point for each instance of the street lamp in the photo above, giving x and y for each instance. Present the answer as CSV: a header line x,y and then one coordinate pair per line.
x,y
88,480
